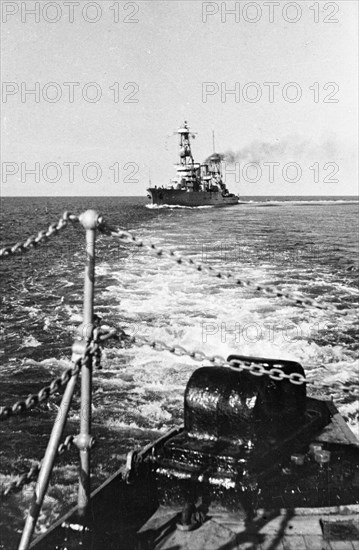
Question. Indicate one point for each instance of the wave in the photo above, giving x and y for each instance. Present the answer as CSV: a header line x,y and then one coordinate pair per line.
x,y
160,206
306,201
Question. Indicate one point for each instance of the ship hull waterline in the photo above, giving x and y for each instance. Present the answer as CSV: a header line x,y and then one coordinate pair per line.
x,y
178,197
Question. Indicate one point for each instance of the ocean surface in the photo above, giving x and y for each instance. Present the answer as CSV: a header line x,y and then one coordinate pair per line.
x,y
299,244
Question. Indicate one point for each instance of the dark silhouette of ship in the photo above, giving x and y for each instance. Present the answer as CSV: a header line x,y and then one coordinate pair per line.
x,y
195,184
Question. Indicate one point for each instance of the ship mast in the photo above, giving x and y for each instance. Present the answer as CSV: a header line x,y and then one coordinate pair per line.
x,y
213,144
187,170
186,157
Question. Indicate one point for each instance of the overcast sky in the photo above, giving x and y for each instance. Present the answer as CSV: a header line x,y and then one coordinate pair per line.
x,y
157,63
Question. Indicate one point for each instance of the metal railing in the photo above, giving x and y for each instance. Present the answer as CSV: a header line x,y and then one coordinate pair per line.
x,y
85,350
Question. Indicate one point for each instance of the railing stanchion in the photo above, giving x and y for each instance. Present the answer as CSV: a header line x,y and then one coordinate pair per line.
x,y
47,464
83,441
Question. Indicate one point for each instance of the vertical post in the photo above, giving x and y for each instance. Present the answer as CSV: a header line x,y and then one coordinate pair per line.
x,y
89,221
47,464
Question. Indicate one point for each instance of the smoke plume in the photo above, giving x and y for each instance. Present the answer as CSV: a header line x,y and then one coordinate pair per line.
x,y
291,148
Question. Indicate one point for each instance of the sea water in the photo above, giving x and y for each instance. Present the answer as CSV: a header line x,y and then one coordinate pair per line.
x,y
304,245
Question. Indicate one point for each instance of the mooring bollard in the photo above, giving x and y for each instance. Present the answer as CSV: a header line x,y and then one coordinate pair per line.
x,y
83,441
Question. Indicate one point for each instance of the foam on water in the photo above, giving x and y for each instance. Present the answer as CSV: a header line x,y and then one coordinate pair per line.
x,y
303,201
160,206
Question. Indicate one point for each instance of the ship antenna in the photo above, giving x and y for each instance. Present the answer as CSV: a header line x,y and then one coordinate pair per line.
x,y
214,147
149,177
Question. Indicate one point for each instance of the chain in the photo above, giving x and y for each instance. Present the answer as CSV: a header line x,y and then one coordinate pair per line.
x,y
91,351
66,445
41,237
43,395
126,236
16,485
274,373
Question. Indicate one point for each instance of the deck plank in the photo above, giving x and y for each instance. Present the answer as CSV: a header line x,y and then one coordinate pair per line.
x,y
268,545
266,532
314,542
295,542
341,545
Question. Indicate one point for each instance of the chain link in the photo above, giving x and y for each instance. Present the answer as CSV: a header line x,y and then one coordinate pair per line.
x,y
41,396
274,373
42,236
24,479
92,352
16,485
128,237
66,445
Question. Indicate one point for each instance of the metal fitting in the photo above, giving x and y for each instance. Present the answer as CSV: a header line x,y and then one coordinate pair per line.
x,y
78,349
189,519
314,448
89,219
85,330
84,442
297,459
322,457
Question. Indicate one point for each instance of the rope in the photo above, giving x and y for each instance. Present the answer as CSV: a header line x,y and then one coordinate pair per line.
x,y
126,236
17,484
274,373
40,238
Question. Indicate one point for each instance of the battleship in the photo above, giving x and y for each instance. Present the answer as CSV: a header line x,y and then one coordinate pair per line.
x,y
195,184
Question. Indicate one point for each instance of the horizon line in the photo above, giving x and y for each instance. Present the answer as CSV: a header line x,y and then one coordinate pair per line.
x,y
144,197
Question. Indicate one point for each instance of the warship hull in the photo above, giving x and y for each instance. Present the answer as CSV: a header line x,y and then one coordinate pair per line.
x,y
178,197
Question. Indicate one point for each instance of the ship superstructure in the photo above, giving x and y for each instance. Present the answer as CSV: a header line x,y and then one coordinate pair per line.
x,y
195,184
